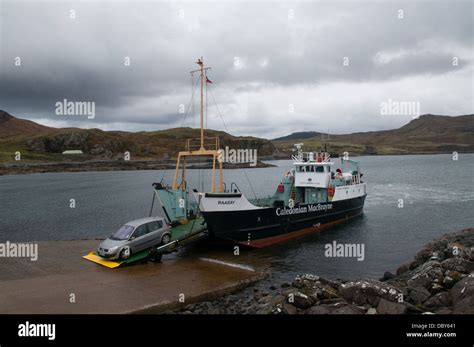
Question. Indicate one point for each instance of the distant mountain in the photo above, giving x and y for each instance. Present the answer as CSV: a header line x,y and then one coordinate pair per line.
x,y
299,135
425,134
40,143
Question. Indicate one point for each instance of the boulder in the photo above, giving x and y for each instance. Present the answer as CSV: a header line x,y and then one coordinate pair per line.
x,y
422,256
462,293
333,284
371,310
403,268
264,309
464,306
297,283
309,277
387,276
470,253
331,301
328,292
214,310
401,284
436,288
301,300
319,309
442,299
426,274
458,264
368,292
419,280
444,310
412,308
388,307
455,249
418,295
439,256
306,280
347,309
287,308
463,288
450,278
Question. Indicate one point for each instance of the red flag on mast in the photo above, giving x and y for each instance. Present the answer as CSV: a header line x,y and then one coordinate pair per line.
x,y
208,80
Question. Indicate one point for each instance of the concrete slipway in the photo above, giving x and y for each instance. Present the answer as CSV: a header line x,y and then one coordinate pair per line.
x,y
46,285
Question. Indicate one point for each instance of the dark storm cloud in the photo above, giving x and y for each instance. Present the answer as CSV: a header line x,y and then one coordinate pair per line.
x,y
298,48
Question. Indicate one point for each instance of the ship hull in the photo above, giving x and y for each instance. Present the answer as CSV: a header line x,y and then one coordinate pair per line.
x,y
267,226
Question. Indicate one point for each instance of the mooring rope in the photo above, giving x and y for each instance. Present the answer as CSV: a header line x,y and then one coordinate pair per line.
x,y
250,184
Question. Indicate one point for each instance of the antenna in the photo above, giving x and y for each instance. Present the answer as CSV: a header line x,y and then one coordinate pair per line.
x,y
299,151
298,146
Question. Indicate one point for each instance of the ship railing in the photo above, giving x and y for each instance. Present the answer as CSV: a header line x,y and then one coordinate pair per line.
x,y
296,158
312,157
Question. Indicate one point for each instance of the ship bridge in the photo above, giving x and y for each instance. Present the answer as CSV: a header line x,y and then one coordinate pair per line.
x,y
312,170
312,174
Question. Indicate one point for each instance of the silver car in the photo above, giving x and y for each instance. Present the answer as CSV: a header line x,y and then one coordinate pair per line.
x,y
134,237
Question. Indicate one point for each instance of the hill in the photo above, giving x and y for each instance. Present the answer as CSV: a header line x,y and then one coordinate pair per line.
x,y
11,126
426,134
299,135
40,143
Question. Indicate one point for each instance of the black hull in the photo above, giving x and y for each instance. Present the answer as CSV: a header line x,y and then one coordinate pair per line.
x,y
264,227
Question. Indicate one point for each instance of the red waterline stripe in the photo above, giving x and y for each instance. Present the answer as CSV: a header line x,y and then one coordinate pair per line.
x,y
268,241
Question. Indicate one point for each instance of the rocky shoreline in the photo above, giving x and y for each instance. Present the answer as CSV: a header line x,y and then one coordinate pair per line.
x,y
439,280
109,165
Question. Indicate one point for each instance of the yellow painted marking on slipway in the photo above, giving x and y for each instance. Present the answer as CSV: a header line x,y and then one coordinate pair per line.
x,y
92,256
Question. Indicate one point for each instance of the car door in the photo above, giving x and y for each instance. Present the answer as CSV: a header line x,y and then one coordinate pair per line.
x,y
139,242
154,233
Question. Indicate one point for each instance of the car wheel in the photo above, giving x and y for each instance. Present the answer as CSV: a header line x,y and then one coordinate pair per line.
x,y
124,253
155,256
165,239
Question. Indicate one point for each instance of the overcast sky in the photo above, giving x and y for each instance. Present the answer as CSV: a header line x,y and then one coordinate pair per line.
x,y
290,74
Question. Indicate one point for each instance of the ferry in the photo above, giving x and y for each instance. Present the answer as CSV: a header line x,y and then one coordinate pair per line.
x,y
311,196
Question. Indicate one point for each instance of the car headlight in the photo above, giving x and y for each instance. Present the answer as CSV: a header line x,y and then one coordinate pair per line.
x,y
113,249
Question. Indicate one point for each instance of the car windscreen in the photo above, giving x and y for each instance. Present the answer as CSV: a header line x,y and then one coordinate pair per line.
x,y
123,233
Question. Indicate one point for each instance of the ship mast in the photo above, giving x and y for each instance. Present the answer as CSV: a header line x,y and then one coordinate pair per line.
x,y
203,77
212,151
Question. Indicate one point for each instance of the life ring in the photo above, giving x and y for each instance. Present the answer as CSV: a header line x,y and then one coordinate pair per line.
x,y
331,191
